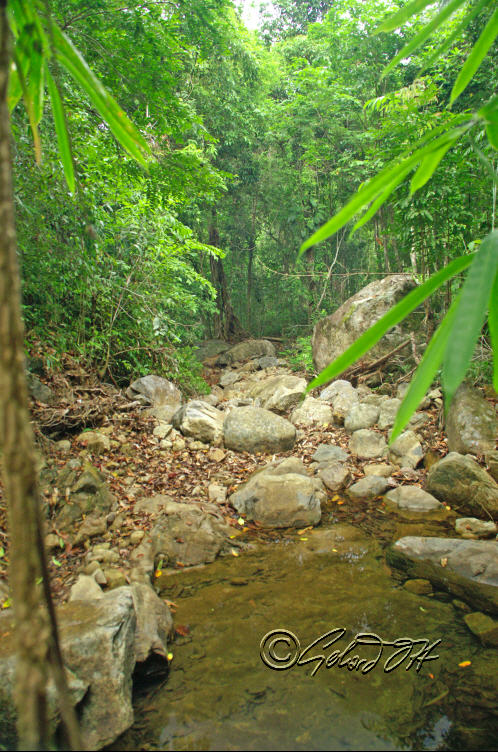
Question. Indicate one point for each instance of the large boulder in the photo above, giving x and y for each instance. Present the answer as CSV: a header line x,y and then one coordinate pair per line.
x,y
468,569
251,348
82,492
280,500
155,391
461,483
334,334
278,393
253,429
210,348
471,425
200,421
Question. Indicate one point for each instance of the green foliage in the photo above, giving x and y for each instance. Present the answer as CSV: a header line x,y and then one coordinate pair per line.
x,y
299,355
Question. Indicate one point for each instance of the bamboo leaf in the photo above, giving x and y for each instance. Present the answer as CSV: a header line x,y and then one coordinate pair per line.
x,y
61,130
470,315
403,14
424,34
15,89
427,167
29,104
36,83
476,56
396,314
438,53
374,208
426,370
493,329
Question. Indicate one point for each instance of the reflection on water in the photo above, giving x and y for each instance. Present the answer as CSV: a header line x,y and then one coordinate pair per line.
x,y
220,694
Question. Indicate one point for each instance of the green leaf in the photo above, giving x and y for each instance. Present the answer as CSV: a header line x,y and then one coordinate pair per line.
x,y
397,313
438,53
29,103
122,128
492,134
374,208
403,14
476,56
427,167
470,315
424,34
15,90
426,370
493,329
61,130
56,562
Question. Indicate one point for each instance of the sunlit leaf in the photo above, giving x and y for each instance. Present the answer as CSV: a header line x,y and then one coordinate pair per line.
x,y
428,166
470,314
464,664
396,314
476,56
403,14
61,130
438,53
493,329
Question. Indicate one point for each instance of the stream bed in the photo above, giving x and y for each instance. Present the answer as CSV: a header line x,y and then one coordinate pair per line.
x,y
222,694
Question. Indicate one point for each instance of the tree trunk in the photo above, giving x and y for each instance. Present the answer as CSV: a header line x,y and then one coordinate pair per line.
x,y
226,324
35,634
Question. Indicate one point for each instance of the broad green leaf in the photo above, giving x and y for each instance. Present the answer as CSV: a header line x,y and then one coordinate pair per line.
x,y
15,90
61,130
427,167
438,53
36,83
120,125
424,34
493,329
29,104
426,370
397,313
492,134
488,165
380,200
470,315
380,183
476,56
403,14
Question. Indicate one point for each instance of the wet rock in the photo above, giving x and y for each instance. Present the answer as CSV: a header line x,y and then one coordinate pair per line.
x,y
329,452
462,484
154,627
335,476
312,411
368,488
183,533
85,589
200,421
484,627
288,500
472,424
418,586
278,393
251,348
382,469
467,569
38,390
334,334
413,500
367,444
388,412
471,527
94,441
253,429
156,391
406,451
361,416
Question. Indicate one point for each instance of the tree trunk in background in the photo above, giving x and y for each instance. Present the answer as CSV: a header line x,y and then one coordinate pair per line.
x,y
35,633
226,324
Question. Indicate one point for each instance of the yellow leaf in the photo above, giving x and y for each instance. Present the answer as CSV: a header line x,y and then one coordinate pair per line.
x,y
335,498
444,561
234,552
447,507
335,550
158,573
303,539
339,503
464,664
170,656
241,521
305,530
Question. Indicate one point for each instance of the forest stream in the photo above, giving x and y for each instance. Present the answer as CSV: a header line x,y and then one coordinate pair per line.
x,y
221,695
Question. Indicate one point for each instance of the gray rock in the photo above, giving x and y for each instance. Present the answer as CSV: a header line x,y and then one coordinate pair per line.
x,y
340,386
216,493
471,425
153,629
63,446
288,500
382,469
94,441
368,488
312,411
88,495
328,452
253,429
214,397
183,533
375,399
335,476
91,527
467,569
471,527
38,390
85,589
268,361
209,348
200,421
279,393
406,451
388,411
361,416
462,484
156,391
162,430
367,444
152,505
251,348
230,377
492,463
413,500
334,334
285,466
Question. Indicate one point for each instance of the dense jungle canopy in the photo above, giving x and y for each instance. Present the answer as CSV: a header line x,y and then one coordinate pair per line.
x,y
257,138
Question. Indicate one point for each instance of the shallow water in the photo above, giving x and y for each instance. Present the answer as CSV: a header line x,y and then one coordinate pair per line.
x,y
220,694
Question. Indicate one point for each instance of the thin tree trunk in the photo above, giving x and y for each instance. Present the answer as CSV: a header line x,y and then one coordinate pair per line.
x,y
35,634
227,325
